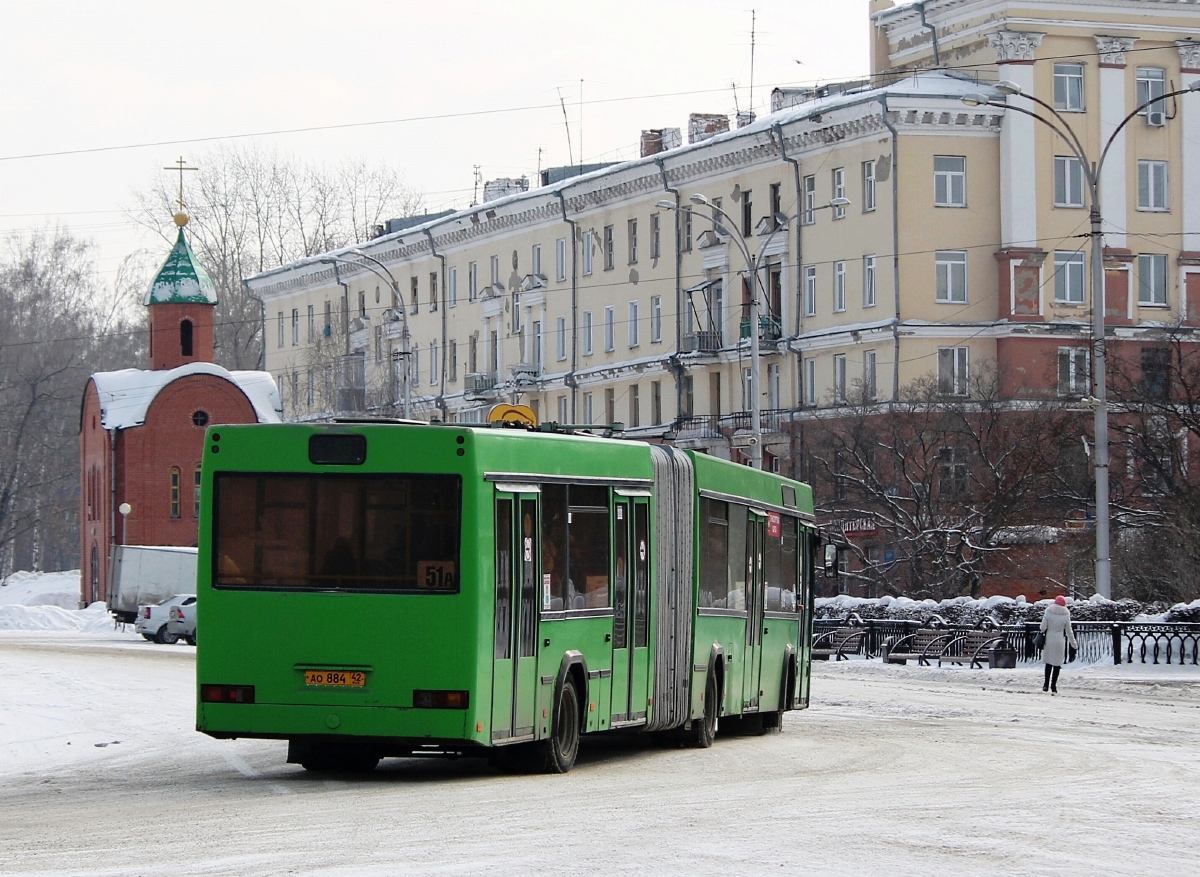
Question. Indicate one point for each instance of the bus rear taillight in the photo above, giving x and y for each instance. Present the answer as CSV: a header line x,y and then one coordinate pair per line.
x,y
440,700
227,693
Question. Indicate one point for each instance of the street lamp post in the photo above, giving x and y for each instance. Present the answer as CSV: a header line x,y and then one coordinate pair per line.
x,y
379,269
124,508
1091,174
753,266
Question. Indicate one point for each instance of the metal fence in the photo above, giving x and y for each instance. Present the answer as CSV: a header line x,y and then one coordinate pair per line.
x,y
1099,641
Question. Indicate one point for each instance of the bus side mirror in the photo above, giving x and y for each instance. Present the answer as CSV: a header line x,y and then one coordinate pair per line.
x,y
830,564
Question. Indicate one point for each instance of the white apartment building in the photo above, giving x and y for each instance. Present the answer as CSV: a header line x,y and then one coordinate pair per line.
x,y
960,246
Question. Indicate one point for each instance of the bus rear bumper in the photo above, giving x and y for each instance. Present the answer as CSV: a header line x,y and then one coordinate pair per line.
x,y
294,721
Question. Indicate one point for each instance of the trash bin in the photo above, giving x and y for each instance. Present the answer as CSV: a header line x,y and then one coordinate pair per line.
x,y
1002,658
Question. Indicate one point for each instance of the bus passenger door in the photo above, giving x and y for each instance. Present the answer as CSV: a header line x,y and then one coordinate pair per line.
x,y
631,605
756,530
621,664
518,559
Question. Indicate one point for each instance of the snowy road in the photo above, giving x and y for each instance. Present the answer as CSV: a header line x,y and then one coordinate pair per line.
x,y
908,771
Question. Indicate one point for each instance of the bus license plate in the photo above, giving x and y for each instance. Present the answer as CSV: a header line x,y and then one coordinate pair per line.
x,y
337,678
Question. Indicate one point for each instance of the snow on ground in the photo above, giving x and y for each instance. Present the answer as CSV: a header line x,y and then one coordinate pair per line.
x,y
901,770
41,589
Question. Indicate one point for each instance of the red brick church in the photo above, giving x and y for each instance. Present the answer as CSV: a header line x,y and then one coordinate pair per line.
x,y
141,431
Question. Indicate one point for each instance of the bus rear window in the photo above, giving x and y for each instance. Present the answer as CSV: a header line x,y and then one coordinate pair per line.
x,y
337,532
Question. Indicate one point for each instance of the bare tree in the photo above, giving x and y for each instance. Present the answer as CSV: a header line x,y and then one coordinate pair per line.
x,y
952,481
60,324
252,210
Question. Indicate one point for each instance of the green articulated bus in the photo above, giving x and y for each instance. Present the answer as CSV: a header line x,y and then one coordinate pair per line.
x,y
375,589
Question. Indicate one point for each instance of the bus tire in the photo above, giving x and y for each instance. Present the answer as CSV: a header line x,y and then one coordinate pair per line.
x,y
563,746
704,729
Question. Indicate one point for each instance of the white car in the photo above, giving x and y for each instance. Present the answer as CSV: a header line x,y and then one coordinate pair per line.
x,y
152,620
181,622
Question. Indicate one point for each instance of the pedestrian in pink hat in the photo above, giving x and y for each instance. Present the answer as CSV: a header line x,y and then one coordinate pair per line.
x,y
1056,626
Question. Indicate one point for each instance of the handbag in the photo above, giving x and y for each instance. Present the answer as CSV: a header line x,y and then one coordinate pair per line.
x,y
1071,653
1039,640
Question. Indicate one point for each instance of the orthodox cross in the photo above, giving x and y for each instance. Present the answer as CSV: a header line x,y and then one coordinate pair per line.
x,y
180,165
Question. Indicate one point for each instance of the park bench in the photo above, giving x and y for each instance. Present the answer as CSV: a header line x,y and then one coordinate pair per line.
x,y
839,643
970,647
922,645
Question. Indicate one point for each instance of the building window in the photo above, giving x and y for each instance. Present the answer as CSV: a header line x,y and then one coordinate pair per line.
x,y
950,181
1156,365
868,184
452,292
536,332
433,362
362,304
953,475
295,327
328,328
609,248
868,281
1152,279
175,491
687,397
609,328
810,382
495,270
311,389
655,236
587,252
747,213
587,333
1151,84
1068,278
635,406
414,293
747,388
687,230
1068,87
312,324
718,226
562,409
1074,378
951,270
185,337
379,343
196,491
537,260
472,281
839,378
631,231
773,401
452,371
656,319
560,259
433,291
810,291
952,370
633,324
1152,185
280,320
839,190
587,408
473,353
610,406
869,376
1068,181
810,200
516,311
560,338
839,287
656,402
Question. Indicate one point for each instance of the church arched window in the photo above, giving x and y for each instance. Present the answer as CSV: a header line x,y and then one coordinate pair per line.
x,y
185,338
174,491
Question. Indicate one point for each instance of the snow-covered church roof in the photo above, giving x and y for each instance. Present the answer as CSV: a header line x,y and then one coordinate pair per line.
x,y
181,279
126,395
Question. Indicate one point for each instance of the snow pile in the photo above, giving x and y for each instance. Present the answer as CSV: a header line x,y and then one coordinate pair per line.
x,y
1002,610
41,589
94,619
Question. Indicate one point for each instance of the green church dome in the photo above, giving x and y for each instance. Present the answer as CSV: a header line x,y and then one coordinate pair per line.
x,y
182,279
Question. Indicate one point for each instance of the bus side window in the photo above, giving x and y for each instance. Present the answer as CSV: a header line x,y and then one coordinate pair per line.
x,y
589,534
738,557
554,547
714,553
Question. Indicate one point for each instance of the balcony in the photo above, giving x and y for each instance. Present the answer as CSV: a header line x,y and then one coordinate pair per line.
x,y
480,384
701,342
526,372
770,330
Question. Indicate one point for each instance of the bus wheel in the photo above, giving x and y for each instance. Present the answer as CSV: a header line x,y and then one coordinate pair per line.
x,y
563,745
705,728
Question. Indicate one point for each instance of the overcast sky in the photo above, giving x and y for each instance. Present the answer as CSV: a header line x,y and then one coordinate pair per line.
x,y
131,73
